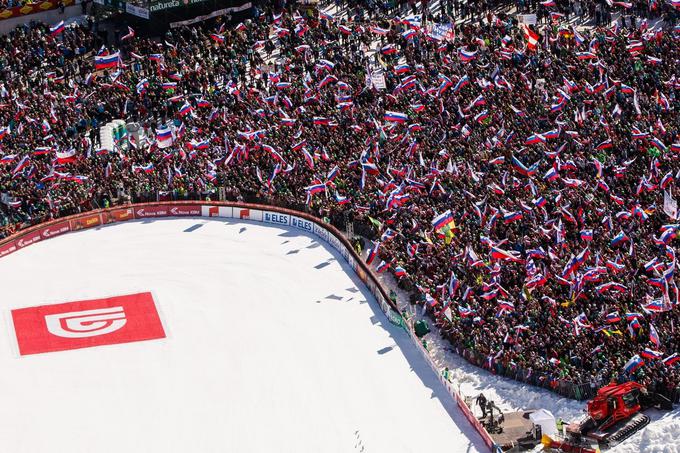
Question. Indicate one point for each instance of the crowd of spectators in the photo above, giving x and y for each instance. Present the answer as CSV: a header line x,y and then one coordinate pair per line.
x,y
558,164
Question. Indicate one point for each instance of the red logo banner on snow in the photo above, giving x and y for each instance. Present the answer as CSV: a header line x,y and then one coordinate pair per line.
x,y
87,323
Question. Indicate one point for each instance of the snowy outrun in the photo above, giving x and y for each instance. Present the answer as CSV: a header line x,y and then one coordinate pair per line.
x,y
272,345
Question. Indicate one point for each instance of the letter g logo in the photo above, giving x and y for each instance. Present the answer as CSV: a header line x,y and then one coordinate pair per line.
x,y
88,323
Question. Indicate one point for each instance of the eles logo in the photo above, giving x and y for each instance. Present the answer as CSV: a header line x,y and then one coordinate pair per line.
x,y
272,217
87,323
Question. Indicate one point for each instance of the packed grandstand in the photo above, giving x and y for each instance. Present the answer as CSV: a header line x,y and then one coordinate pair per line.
x,y
518,181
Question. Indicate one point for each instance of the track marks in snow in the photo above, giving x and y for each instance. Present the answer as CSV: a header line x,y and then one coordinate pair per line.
x,y
358,442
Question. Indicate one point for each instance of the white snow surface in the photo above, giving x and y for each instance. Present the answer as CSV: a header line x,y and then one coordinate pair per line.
x,y
273,345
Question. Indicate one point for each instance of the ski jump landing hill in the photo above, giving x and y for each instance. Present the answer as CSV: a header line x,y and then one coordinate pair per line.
x,y
252,212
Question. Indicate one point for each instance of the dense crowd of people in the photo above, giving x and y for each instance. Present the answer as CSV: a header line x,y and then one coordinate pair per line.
x,y
520,180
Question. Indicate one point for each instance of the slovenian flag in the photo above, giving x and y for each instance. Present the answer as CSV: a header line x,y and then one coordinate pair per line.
x,y
500,254
315,188
106,61
323,15
651,354
382,267
585,55
611,286
466,56
217,38
373,253
654,336
534,139
465,80
66,157
340,199
632,315
409,34
671,359
399,272
389,49
587,235
604,145
481,116
613,317
163,134
58,28
185,109
619,239
395,117
634,364
655,306
149,168
442,221
402,68
23,163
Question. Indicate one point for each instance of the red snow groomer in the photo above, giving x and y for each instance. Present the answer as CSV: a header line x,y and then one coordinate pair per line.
x,y
614,415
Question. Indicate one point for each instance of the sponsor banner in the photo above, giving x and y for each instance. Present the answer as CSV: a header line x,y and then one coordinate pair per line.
x,y
185,210
321,232
276,218
302,224
31,8
118,215
247,214
337,244
151,211
89,221
229,12
87,323
55,230
166,211
216,211
28,239
137,11
7,248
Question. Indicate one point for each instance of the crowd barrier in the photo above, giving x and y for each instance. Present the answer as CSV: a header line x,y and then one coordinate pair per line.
x,y
245,211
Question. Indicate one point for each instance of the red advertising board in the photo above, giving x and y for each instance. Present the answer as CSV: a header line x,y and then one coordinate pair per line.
x,y
7,248
30,238
87,323
188,210
86,222
474,422
55,230
151,211
167,210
